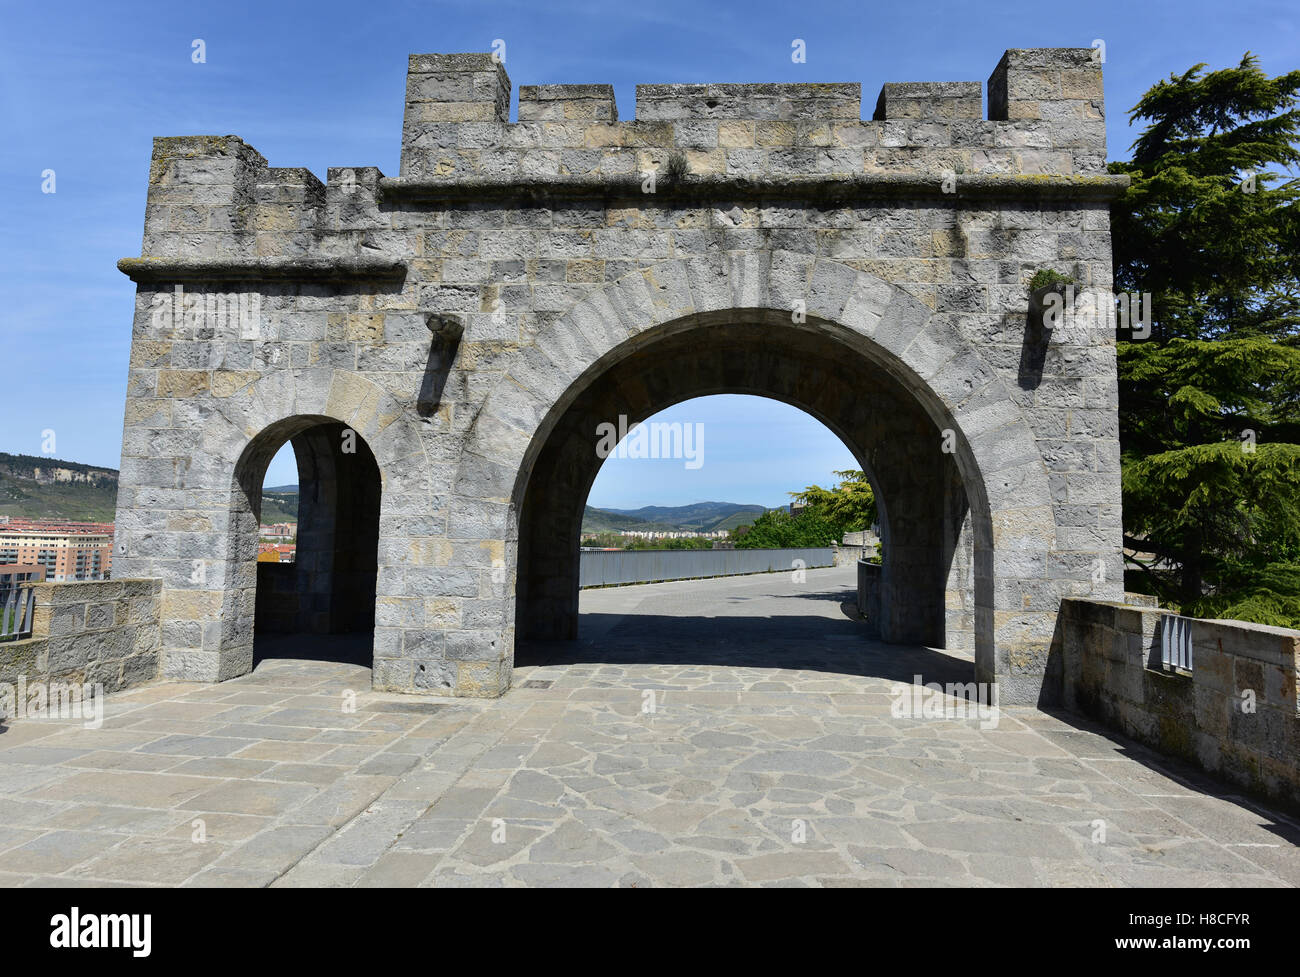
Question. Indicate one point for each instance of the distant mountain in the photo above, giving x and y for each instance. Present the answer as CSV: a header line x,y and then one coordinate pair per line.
x,y
700,517
34,487
46,488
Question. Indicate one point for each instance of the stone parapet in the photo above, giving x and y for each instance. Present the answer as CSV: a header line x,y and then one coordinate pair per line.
x,y
96,632
216,196
1235,714
933,100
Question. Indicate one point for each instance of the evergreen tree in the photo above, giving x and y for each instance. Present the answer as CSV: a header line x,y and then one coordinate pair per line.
x,y
1210,402
850,506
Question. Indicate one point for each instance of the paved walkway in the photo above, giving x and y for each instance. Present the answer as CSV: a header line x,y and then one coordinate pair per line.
x,y
725,732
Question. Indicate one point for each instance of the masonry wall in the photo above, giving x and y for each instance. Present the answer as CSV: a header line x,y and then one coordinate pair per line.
x,y
869,595
443,312
1235,714
849,554
97,632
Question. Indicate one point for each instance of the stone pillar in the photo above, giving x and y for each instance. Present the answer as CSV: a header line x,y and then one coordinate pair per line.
x,y
453,101
1060,86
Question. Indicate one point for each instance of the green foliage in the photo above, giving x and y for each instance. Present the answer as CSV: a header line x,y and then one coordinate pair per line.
x,y
1240,505
677,169
1210,403
1215,258
617,541
1267,594
777,529
702,517
1045,276
1192,391
849,506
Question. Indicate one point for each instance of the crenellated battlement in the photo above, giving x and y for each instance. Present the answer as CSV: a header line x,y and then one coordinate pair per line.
x,y
789,102
1044,135
1045,118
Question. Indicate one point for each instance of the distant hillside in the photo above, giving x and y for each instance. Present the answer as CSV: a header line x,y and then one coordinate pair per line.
x,y
46,488
700,517
745,517
34,487
279,505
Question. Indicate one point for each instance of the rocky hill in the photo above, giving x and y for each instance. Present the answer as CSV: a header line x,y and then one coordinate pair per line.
x,y
48,488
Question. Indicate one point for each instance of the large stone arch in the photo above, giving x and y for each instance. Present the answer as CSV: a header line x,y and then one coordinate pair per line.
x,y
994,448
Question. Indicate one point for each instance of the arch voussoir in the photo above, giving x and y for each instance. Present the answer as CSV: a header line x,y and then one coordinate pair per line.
x,y
831,285
710,283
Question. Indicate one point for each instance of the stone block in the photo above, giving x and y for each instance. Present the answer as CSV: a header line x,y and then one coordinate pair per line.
x,y
947,101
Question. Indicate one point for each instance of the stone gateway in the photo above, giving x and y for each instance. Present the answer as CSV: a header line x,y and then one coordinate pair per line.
x,y
443,347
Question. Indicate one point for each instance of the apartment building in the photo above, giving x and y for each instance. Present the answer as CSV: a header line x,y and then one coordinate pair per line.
x,y
278,531
66,551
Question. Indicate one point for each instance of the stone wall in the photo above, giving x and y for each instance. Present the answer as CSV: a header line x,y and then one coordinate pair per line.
x,y
869,595
849,554
471,317
1235,714
97,632
865,538
856,546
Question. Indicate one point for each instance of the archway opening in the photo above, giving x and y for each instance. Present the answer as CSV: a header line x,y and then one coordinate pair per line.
x,y
315,577
926,587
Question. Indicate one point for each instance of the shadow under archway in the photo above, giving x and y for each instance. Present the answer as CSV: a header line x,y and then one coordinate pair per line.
x,y
321,606
756,621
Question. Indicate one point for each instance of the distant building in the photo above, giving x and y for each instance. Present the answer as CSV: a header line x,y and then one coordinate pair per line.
x,y
18,573
279,530
276,552
13,576
64,550
671,534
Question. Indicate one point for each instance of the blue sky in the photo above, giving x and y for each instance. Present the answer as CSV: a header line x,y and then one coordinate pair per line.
x,y
85,86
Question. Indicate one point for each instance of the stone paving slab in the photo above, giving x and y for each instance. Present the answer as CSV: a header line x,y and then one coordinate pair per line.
x,y
628,759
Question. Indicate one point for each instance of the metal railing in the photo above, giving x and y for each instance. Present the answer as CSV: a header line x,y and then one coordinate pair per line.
x,y
17,608
1176,642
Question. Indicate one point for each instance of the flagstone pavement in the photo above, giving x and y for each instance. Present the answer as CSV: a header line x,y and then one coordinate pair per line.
x,y
728,732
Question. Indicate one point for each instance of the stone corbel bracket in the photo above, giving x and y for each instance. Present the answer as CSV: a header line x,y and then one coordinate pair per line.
x,y
1041,304
314,270
445,331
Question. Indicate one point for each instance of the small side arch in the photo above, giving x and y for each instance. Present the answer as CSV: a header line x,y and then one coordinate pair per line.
x,y
361,465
